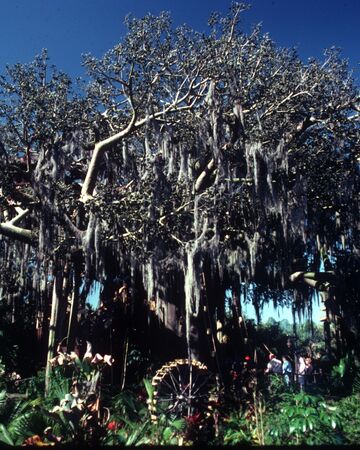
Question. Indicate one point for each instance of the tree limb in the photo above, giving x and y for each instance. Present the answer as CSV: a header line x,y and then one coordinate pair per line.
x,y
9,228
17,233
201,178
100,147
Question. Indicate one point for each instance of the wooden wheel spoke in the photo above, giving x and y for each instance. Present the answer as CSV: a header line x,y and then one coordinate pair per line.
x,y
167,384
180,376
201,396
174,381
197,377
202,384
165,399
182,388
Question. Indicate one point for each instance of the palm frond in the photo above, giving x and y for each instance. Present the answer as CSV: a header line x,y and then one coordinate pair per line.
x,y
27,424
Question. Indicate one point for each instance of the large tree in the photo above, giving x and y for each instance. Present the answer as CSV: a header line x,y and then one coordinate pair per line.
x,y
189,165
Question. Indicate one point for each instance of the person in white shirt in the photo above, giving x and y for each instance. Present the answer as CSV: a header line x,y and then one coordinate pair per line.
x,y
301,372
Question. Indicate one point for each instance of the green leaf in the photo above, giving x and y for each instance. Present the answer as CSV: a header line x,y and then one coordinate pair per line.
x,y
178,424
149,388
342,367
297,424
132,439
331,408
5,435
167,433
77,362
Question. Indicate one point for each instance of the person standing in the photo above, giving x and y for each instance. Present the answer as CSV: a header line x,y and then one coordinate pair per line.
x,y
287,370
301,372
274,365
308,370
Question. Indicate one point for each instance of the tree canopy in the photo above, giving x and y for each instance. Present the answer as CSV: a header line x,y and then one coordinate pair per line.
x,y
184,162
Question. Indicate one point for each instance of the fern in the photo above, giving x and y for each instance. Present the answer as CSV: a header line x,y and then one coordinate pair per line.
x,y
24,419
20,429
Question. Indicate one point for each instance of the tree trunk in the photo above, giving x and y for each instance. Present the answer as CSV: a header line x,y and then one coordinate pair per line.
x,y
55,300
72,323
327,331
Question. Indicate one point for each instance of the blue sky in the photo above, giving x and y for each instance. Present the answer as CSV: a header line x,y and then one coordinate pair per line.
x,y
69,28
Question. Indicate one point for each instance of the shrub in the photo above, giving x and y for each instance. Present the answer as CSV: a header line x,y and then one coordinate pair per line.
x,y
349,411
304,419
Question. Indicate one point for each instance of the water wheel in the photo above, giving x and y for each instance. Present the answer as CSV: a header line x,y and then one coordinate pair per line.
x,y
182,389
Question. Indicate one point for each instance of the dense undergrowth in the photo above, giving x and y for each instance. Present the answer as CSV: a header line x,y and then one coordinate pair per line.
x,y
80,409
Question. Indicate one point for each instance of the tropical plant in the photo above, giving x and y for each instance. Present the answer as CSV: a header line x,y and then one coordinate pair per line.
x,y
303,419
243,427
234,429
80,411
344,375
131,424
275,387
24,419
134,433
349,412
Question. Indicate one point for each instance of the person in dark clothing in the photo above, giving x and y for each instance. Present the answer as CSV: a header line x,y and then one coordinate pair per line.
x,y
308,370
274,365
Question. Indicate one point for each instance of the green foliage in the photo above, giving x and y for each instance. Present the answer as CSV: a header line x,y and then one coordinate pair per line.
x,y
235,429
23,419
75,385
149,388
339,370
167,432
5,435
3,404
276,387
344,375
349,412
130,423
59,386
310,337
127,407
30,423
287,418
304,419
